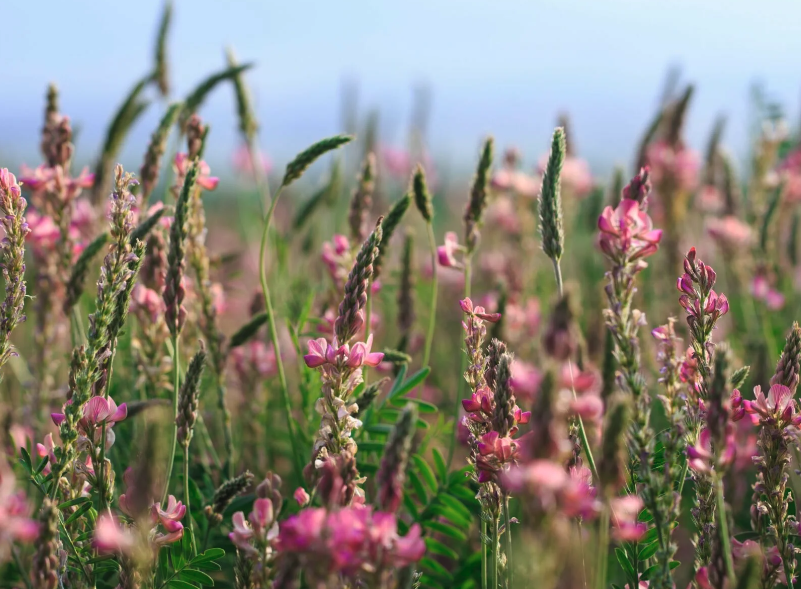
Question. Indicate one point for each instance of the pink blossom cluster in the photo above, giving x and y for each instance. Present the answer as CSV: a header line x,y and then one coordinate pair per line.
x,y
676,164
351,541
15,522
627,233
99,413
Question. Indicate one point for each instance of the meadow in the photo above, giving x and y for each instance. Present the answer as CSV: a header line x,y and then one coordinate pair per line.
x,y
355,371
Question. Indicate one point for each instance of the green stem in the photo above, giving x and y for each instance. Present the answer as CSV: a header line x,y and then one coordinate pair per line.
x,y
585,444
18,563
176,361
268,304
468,276
432,316
725,541
510,571
203,430
497,554
227,433
484,567
603,548
186,499
368,311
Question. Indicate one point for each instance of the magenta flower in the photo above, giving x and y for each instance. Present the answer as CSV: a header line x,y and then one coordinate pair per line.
x,y
702,458
111,537
673,163
322,353
301,497
204,179
478,311
147,302
44,179
171,516
625,527
446,254
778,408
47,449
526,380
243,162
729,231
15,522
627,233
98,412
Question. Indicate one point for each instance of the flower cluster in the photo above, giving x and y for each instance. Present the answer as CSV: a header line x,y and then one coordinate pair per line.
x,y
354,542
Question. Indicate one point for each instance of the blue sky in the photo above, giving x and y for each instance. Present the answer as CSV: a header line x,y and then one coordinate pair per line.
x,y
504,67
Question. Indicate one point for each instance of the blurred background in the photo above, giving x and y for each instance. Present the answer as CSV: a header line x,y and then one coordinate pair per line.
x,y
506,67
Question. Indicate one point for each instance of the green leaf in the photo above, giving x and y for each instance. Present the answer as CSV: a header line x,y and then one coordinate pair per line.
x,y
196,576
78,513
419,489
456,505
413,381
623,559
435,568
648,551
425,472
371,446
73,502
210,554
25,459
436,547
449,514
178,584
379,428
439,464
446,530
423,406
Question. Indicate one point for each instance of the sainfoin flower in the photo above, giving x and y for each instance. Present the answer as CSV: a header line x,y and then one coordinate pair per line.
x,y
98,412
111,537
627,233
778,408
170,518
349,541
624,512
701,456
55,181
321,352
204,178
446,254
15,522
547,486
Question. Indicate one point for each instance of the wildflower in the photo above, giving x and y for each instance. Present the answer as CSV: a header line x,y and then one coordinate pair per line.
x,y
170,519
778,408
98,412
627,233
625,527
675,162
729,231
54,180
301,497
321,353
702,458
205,180
111,537
242,162
15,522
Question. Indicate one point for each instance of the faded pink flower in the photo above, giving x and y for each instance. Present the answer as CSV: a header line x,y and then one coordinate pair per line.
x,y
446,254
147,302
673,164
301,497
625,527
44,179
205,180
111,537
729,231
243,162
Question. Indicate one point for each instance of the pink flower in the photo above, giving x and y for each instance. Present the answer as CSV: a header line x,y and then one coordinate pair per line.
x,y
111,537
397,162
147,301
625,527
729,231
300,532
321,353
779,408
576,176
526,380
674,164
242,535
511,180
627,233
478,311
301,497
169,517
98,412
15,522
703,459
47,450
54,180
254,357
360,355
204,179
243,162
446,253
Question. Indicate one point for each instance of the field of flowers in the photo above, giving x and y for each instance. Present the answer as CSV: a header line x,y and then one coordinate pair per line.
x,y
382,378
